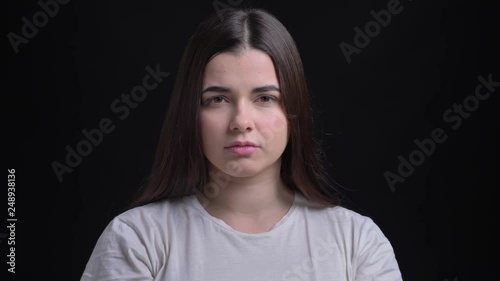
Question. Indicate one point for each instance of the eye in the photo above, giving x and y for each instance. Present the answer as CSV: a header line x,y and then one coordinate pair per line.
x,y
214,100
267,99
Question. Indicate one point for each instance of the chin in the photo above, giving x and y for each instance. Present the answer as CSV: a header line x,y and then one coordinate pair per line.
x,y
241,169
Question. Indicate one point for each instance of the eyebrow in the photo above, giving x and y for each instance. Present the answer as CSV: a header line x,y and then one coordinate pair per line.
x,y
220,89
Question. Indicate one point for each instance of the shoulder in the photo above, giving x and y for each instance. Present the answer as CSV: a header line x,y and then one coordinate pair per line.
x,y
357,225
342,223
337,215
140,227
151,217
160,210
343,215
135,243
157,208
370,251
354,224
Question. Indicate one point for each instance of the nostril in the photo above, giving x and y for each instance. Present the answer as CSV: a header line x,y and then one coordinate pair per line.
x,y
240,125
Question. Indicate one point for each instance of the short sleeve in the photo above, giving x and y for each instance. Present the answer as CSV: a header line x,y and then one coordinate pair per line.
x,y
375,259
119,254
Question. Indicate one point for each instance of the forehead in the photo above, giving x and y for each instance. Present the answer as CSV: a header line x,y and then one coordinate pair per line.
x,y
248,68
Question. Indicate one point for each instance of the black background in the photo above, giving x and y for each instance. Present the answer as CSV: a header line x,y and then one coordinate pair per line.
x,y
439,220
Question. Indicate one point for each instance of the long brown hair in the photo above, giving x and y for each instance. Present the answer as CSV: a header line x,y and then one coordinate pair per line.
x,y
180,167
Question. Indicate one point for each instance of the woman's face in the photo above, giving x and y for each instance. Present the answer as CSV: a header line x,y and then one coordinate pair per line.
x,y
241,103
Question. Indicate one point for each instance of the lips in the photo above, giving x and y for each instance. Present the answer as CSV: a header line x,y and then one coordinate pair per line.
x,y
242,144
242,148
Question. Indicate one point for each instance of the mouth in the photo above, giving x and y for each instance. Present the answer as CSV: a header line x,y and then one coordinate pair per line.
x,y
242,144
242,148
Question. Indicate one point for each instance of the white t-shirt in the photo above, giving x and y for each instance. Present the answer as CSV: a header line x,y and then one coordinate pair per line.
x,y
178,240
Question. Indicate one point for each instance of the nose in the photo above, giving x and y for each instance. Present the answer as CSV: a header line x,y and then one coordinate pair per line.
x,y
241,121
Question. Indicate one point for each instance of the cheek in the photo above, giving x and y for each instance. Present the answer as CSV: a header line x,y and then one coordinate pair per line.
x,y
211,129
274,128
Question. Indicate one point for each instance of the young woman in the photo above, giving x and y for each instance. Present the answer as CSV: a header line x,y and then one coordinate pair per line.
x,y
237,190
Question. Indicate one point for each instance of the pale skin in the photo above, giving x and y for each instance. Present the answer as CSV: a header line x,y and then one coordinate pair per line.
x,y
240,102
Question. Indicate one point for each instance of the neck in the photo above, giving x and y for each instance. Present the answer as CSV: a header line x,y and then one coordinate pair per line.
x,y
255,197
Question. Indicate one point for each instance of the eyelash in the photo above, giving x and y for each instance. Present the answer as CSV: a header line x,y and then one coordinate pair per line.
x,y
210,100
